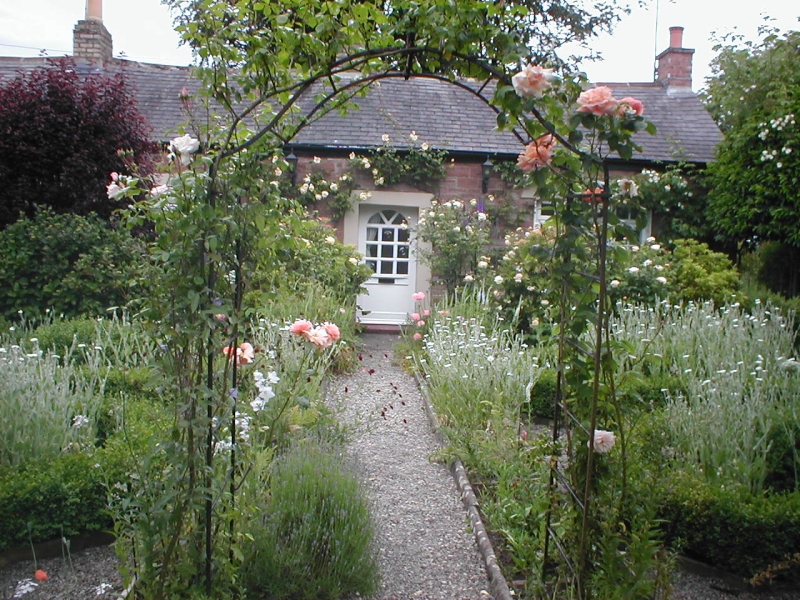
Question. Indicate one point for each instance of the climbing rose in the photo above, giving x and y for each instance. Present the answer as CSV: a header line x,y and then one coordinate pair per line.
x,y
598,101
532,81
539,153
630,106
301,327
603,441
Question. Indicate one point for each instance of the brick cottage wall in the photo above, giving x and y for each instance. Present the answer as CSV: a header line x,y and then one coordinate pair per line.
x,y
463,181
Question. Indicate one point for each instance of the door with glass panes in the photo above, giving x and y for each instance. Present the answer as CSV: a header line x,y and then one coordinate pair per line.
x,y
385,242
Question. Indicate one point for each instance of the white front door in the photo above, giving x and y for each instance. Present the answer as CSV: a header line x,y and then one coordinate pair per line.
x,y
384,238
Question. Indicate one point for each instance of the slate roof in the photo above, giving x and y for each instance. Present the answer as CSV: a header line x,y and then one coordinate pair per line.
x,y
443,115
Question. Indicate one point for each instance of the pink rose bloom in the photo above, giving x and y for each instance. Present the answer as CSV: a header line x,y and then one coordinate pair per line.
x,y
420,323
603,441
418,296
598,101
426,313
539,153
246,353
319,337
333,331
532,81
630,106
415,316
300,327
417,336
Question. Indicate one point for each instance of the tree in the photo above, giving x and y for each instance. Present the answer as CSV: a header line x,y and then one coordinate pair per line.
x,y
60,134
755,98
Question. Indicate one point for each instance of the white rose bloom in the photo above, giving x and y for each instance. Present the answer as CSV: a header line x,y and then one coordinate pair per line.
x,y
614,283
633,270
352,260
482,264
655,247
185,145
469,278
330,240
661,279
481,216
498,280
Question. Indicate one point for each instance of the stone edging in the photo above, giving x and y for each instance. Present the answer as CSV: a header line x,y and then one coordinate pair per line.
x,y
497,582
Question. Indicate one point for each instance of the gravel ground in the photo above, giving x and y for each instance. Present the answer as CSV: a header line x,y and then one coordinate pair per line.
x,y
425,548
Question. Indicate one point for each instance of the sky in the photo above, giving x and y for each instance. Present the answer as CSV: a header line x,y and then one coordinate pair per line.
x,y
142,30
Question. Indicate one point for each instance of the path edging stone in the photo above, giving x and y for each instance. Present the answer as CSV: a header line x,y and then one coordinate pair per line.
x,y
497,582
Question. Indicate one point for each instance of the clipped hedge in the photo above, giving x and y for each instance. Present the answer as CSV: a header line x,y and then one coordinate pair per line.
x,y
729,528
70,491
66,492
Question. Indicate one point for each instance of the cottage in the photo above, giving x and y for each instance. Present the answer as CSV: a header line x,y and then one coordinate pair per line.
x,y
446,117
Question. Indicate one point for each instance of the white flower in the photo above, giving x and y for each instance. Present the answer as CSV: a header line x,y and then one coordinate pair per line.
x,y
424,146
324,193
330,240
160,189
655,247
278,172
352,156
614,283
316,160
603,441
113,190
481,216
380,181
457,229
482,264
352,260
304,188
498,280
518,277
185,145
469,278
628,187
79,421
385,138
413,137
647,263
661,279
633,270
545,303
334,187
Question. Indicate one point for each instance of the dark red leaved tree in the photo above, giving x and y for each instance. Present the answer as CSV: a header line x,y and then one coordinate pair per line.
x,y
60,133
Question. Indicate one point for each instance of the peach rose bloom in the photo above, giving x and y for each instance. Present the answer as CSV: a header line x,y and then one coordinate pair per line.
x,y
630,106
246,353
319,337
333,331
598,101
539,153
532,81
300,326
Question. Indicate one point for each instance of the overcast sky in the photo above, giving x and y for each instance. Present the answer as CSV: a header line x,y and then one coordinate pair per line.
x,y
142,30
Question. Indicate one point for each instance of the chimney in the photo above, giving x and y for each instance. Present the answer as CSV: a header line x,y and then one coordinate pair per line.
x,y
675,63
90,38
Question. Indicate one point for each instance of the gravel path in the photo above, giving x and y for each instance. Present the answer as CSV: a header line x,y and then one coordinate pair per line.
x,y
425,547
426,550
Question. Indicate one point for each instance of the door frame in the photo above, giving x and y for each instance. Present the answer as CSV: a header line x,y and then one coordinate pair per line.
x,y
419,200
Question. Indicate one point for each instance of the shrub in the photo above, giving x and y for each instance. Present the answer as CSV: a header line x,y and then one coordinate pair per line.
x,y
62,491
315,540
60,132
728,527
543,395
698,273
68,264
